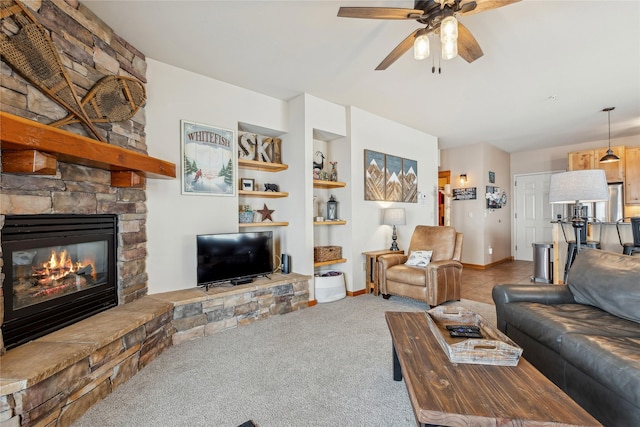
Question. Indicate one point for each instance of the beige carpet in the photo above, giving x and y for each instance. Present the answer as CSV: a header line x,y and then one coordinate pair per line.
x,y
328,365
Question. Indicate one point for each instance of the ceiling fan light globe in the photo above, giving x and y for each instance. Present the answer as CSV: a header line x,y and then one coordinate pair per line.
x,y
449,49
421,47
448,29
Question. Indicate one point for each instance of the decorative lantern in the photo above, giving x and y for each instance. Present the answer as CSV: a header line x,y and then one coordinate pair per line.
x,y
332,209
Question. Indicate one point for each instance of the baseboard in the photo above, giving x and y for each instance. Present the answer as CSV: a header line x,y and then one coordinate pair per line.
x,y
484,267
313,302
356,293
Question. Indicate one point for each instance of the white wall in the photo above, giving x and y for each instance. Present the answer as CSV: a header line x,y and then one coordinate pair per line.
x,y
174,219
481,227
371,132
311,118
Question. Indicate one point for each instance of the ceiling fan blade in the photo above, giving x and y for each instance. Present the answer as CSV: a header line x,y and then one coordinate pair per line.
x,y
483,5
399,50
379,13
468,47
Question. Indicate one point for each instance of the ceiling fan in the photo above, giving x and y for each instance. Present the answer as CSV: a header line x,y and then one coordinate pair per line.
x,y
439,18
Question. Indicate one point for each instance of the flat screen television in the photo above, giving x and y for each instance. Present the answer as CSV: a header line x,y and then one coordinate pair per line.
x,y
234,257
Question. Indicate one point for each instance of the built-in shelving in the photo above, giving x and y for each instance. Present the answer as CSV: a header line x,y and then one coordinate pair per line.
x,y
265,194
261,166
339,222
330,262
318,183
264,224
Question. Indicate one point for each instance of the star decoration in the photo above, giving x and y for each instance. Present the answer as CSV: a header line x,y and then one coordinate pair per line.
x,y
266,213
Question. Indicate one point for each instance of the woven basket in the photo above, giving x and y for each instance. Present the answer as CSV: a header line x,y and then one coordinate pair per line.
x,y
326,253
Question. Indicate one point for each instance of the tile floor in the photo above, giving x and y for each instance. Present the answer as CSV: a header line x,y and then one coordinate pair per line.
x,y
477,284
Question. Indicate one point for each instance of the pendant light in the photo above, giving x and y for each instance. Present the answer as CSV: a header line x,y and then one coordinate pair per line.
x,y
609,157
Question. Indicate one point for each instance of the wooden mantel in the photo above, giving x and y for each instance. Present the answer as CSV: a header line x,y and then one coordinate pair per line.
x,y
32,147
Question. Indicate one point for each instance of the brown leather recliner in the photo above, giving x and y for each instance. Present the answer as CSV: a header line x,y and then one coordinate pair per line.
x,y
439,281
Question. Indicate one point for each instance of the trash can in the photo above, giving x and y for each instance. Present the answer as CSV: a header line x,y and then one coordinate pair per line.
x,y
542,262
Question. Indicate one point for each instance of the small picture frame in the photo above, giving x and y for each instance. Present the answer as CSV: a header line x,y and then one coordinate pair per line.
x,y
492,177
247,184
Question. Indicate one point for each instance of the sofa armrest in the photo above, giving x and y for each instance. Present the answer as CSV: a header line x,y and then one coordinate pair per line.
x,y
389,260
543,294
447,263
385,262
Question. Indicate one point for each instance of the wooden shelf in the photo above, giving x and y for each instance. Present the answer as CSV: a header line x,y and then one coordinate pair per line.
x,y
19,134
264,224
318,183
333,261
266,194
261,166
340,222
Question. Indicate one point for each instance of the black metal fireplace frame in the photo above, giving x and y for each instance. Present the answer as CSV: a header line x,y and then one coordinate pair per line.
x,y
19,233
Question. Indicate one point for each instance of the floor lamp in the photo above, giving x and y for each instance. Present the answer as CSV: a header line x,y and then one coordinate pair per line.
x,y
394,216
582,186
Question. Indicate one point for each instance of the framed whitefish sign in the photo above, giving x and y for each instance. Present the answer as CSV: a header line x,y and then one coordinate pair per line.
x,y
208,159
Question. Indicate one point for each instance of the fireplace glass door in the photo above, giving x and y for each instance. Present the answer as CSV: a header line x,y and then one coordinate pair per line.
x,y
44,273
58,269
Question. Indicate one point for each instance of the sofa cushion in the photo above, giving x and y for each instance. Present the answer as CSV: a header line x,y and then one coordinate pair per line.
x,y
611,361
608,281
549,323
403,273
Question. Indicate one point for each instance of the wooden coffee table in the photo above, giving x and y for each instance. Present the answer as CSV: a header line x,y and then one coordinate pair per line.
x,y
445,393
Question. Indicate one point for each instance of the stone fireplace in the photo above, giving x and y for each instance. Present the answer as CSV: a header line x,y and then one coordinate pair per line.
x,y
60,269
90,50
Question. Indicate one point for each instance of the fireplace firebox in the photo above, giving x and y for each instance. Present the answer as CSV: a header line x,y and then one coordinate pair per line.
x,y
59,269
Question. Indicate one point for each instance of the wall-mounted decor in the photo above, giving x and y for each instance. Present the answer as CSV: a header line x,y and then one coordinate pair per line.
x,y
492,177
495,197
390,178
208,158
30,51
410,181
374,176
393,177
468,193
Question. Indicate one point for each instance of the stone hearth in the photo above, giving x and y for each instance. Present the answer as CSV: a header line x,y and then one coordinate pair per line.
x,y
55,379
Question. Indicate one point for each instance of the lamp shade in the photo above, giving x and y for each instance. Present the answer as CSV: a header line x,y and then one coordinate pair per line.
x,y
394,216
579,186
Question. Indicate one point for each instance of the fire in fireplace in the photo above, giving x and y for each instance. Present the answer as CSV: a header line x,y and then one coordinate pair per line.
x,y
58,269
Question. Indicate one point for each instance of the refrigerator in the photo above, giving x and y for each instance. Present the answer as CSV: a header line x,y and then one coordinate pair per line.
x,y
609,211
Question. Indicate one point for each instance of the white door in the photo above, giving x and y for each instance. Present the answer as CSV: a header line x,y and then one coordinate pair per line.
x,y
533,213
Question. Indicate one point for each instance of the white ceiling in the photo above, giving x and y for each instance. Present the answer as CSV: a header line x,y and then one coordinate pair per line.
x,y
548,70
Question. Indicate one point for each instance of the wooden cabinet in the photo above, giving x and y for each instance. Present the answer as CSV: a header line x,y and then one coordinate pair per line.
x,y
632,178
614,170
580,160
590,159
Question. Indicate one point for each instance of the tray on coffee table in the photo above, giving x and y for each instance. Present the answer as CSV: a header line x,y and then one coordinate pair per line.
x,y
495,348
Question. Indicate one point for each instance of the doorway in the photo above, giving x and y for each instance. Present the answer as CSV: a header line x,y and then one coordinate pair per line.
x,y
444,178
533,213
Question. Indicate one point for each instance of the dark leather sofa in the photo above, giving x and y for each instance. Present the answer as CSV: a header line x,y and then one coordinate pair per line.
x,y
584,336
